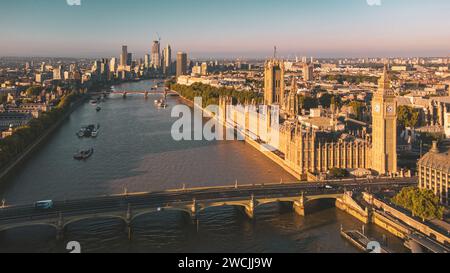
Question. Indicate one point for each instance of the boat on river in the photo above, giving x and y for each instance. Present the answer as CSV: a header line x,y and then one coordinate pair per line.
x,y
95,131
81,132
87,130
84,154
161,103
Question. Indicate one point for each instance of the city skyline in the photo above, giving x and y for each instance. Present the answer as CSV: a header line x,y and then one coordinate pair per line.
x,y
246,29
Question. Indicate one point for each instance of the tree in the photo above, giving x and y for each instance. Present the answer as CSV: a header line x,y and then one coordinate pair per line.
x,y
307,102
34,91
339,173
358,108
325,100
3,98
210,95
421,203
408,117
354,79
23,137
430,137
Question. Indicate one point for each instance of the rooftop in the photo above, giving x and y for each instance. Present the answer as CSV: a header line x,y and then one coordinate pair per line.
x,y
445,100
436,160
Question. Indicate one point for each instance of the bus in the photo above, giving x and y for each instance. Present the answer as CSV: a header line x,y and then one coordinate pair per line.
x,y
47,204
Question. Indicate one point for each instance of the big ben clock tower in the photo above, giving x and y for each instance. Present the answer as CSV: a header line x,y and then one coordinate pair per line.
x,y
384,127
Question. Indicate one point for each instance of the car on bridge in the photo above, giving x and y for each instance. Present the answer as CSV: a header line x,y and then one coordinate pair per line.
x,y
43,205
327,187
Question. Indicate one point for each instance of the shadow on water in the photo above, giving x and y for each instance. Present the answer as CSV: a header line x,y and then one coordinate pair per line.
x,y
36,239
319,205
276,229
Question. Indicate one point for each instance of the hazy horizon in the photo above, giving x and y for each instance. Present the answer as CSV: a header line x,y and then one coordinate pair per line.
x,y
228,57
227,29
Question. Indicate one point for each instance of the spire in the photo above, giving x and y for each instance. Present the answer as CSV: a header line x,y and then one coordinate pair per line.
x,y
294,85
384,83
386,71
434,148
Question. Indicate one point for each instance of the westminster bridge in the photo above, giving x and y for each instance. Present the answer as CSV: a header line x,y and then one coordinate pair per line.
x,y
129,206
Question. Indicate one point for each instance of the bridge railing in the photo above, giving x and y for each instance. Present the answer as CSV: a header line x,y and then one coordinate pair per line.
x,y
342,184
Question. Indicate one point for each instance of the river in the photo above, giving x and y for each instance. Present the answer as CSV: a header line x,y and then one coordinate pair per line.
x,y
135,152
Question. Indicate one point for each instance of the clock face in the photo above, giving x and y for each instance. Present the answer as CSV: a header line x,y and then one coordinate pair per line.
x,y
390,109
377,108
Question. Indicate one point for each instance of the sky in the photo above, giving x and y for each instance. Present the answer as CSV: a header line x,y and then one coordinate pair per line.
x,y
226,28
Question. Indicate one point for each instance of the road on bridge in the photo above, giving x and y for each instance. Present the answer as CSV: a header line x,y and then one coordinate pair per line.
x,y
109,204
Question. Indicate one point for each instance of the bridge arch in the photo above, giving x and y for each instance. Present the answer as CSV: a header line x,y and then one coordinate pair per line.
x,y
86,218
334,197
204,207
263,203
26,225
316,204
184,211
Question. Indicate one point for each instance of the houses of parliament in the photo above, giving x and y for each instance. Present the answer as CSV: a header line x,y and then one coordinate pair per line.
x,y
316,147
308,146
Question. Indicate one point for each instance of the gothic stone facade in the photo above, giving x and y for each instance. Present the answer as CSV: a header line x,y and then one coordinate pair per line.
x,y
310,151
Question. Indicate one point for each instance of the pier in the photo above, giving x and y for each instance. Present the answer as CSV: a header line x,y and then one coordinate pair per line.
x,y
364,243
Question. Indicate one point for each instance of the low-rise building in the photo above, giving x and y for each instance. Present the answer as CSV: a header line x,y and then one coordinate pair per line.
x,y
434,173
13,119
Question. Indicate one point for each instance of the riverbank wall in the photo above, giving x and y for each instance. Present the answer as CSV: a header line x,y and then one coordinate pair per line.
x,y
247,138
400,222
351,207
371,210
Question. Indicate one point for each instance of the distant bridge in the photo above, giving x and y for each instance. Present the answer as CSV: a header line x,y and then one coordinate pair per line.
x,y
128,207
146,93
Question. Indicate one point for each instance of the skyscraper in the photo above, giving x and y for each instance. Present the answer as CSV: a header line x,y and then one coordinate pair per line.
x,y
181,64
167,60
129,59
124,56
147,60
204,69
156,55
384,115
113,65
104,69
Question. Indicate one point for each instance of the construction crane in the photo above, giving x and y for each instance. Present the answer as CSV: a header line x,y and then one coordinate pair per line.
x,y
159,37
